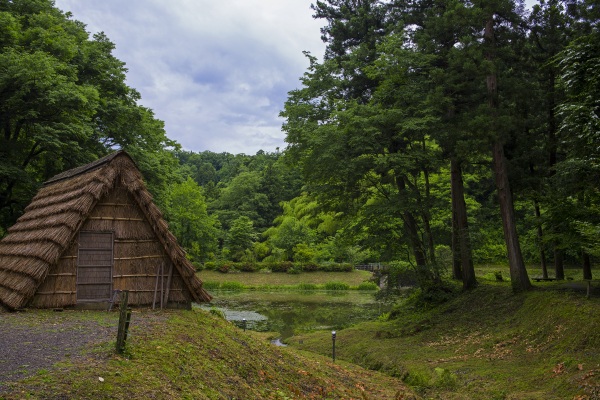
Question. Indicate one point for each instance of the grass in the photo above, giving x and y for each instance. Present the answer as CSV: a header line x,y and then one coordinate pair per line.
x,y
196,355
485,344
274,280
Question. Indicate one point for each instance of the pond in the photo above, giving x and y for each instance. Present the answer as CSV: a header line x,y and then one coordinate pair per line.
x,y
292,312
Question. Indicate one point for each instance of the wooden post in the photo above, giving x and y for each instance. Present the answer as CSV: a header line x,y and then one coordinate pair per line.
x,y
162,284
156,287
167,290
123,322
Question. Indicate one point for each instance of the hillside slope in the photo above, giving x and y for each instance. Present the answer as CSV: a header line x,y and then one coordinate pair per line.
x,y
485,344
194,355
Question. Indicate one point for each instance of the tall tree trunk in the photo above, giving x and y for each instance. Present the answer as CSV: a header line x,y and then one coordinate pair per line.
x,y
540,235
518,273
587,266
459,212
426,216
559,263
456,260
412,231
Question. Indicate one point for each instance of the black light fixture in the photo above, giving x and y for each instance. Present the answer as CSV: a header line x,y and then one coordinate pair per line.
x,y
333,342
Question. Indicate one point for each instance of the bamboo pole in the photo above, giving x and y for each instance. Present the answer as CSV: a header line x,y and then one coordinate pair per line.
x,y
155,287
169,284
139,257
162,284
115,219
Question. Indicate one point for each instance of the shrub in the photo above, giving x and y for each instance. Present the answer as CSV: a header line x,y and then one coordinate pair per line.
x,y
225,268
248,267
283,266
310,267
336,286
368,286
210,265
296,269
337,267
197,266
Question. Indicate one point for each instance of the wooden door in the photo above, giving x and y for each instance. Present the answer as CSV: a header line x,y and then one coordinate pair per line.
x,y
94,266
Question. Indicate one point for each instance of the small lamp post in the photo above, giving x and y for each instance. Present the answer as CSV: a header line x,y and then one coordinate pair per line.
x,y
244,323
333,343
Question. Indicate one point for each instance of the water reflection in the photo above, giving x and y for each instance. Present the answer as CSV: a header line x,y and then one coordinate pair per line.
x,y
290,313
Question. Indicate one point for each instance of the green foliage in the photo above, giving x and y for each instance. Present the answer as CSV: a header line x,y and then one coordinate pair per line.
x,y
240,237
368,286
65,103
283,266
190,222
336,267
225,267
336,286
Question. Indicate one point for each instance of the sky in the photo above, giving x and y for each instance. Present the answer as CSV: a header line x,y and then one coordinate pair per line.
x,y
216,72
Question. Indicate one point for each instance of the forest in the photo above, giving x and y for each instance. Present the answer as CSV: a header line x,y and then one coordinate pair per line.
x,y
431,136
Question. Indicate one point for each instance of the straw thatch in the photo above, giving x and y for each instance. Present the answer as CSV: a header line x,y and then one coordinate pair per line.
x,y
106,199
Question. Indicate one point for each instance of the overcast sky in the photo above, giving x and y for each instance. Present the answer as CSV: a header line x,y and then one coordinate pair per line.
x,y
216,72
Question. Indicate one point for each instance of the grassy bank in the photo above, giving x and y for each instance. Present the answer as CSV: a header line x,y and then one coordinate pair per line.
x,y
194,355
486,344
273,280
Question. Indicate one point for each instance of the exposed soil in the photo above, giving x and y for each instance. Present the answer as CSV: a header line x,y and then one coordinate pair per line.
x,y
33,340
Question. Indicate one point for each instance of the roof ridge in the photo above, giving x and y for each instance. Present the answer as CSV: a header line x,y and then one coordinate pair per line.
x,y
70,173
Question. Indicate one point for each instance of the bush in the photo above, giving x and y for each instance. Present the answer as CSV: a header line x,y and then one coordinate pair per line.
x,y
310,267
368,286
336,267
307,286
197,266
336,286
248,267
283,266
210,265
225,268
296,269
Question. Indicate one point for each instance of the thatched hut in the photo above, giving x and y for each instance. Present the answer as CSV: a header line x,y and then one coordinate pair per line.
x,y
88,233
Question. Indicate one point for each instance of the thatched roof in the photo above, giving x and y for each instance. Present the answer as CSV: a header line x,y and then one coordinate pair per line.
x,y
53,219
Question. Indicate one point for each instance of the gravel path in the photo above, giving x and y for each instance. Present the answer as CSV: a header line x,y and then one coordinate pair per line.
x,y
37,339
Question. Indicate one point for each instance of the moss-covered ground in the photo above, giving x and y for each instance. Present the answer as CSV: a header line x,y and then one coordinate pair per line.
x,y
196,355
485,344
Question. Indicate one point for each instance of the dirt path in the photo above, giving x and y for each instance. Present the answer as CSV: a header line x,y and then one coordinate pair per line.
x,y
37,339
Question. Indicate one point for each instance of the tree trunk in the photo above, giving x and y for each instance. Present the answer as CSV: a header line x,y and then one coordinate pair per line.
x,y
426,217
559,260
587,266
456,262
411,229
518,273
540,235
459,212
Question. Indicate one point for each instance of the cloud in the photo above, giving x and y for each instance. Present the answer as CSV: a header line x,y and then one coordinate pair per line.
x,y
217,73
